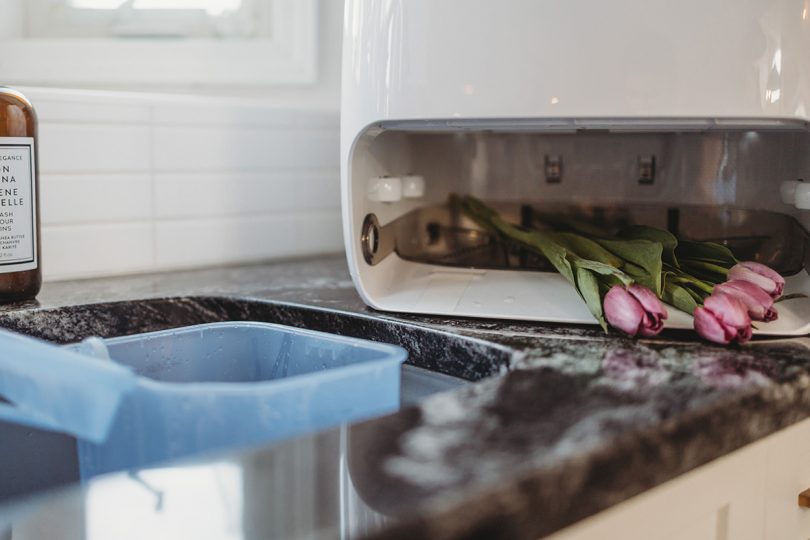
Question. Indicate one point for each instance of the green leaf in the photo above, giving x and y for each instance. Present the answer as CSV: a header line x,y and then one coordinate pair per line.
x,y
490,220
584,247
588,276
708,266
706,251
645,254
642,277
697,294
682,278
667,240
679,297
577,225
557,255
707,271
588,287
602,269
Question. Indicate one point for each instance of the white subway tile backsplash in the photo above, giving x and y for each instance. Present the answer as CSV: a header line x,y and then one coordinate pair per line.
x,y
320,233
243,148
141,183
94,148
318,149
208,241
319,190
208,148
75,251
83,112
94,198
179,195
242,113
89,106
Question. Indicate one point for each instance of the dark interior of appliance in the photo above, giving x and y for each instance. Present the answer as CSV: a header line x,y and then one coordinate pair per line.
x,y
442,235
712,182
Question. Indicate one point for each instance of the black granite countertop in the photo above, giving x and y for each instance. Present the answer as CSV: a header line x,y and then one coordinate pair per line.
x,y
559,423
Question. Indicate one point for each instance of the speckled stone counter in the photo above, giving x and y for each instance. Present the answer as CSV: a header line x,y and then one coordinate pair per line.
x,y
559,423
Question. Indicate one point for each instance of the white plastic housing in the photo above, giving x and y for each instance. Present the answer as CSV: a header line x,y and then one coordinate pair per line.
x,y
555,65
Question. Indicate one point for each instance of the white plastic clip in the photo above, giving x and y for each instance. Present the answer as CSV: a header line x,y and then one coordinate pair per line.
x,y
802,197
797,193
787,190
384,189
413,186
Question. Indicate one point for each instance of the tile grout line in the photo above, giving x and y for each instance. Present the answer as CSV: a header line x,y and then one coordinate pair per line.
x,y
152,186
277,213
325,127
314,171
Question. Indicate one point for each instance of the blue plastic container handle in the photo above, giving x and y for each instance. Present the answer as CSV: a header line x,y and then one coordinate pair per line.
x,y
50,387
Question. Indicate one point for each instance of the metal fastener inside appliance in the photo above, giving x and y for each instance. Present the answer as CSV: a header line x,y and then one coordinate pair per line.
x,y
646,169
370,238
553,168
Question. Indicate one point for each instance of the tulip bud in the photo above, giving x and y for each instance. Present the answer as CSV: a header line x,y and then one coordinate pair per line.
x,y
723,319
764,277
635,310
758,303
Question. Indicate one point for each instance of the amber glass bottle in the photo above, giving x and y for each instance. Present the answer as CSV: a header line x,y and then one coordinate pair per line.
x,y
20,270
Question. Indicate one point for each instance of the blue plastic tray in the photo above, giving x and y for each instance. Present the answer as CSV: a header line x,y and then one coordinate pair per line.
x,y
227,385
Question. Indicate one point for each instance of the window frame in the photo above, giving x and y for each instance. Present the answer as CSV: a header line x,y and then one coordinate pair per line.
x,y
288,57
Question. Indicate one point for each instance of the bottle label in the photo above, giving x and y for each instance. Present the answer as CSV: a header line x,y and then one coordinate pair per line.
x,y
18,205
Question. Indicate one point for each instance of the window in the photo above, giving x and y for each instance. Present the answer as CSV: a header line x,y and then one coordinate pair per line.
x,y
159,43
169,19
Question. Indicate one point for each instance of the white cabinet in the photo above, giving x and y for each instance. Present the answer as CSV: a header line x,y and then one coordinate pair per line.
x,y
788,475
750,494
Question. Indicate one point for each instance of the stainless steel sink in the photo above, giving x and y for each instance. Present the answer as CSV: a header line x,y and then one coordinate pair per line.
x,y
418,383
33,460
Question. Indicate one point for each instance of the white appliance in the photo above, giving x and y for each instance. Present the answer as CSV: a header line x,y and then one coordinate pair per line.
x,y
691,115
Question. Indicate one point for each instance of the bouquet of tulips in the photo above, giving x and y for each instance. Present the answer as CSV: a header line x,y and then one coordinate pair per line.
x,y
625,278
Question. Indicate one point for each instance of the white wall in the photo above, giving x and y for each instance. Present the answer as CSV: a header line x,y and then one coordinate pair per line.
x,y
136,183
133,182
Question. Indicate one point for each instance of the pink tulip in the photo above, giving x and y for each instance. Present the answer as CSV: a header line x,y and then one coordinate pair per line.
x,y
723,319
758,303
635,310
764,277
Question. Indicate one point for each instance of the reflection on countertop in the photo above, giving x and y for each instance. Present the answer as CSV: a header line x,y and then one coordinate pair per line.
x,y
562,422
